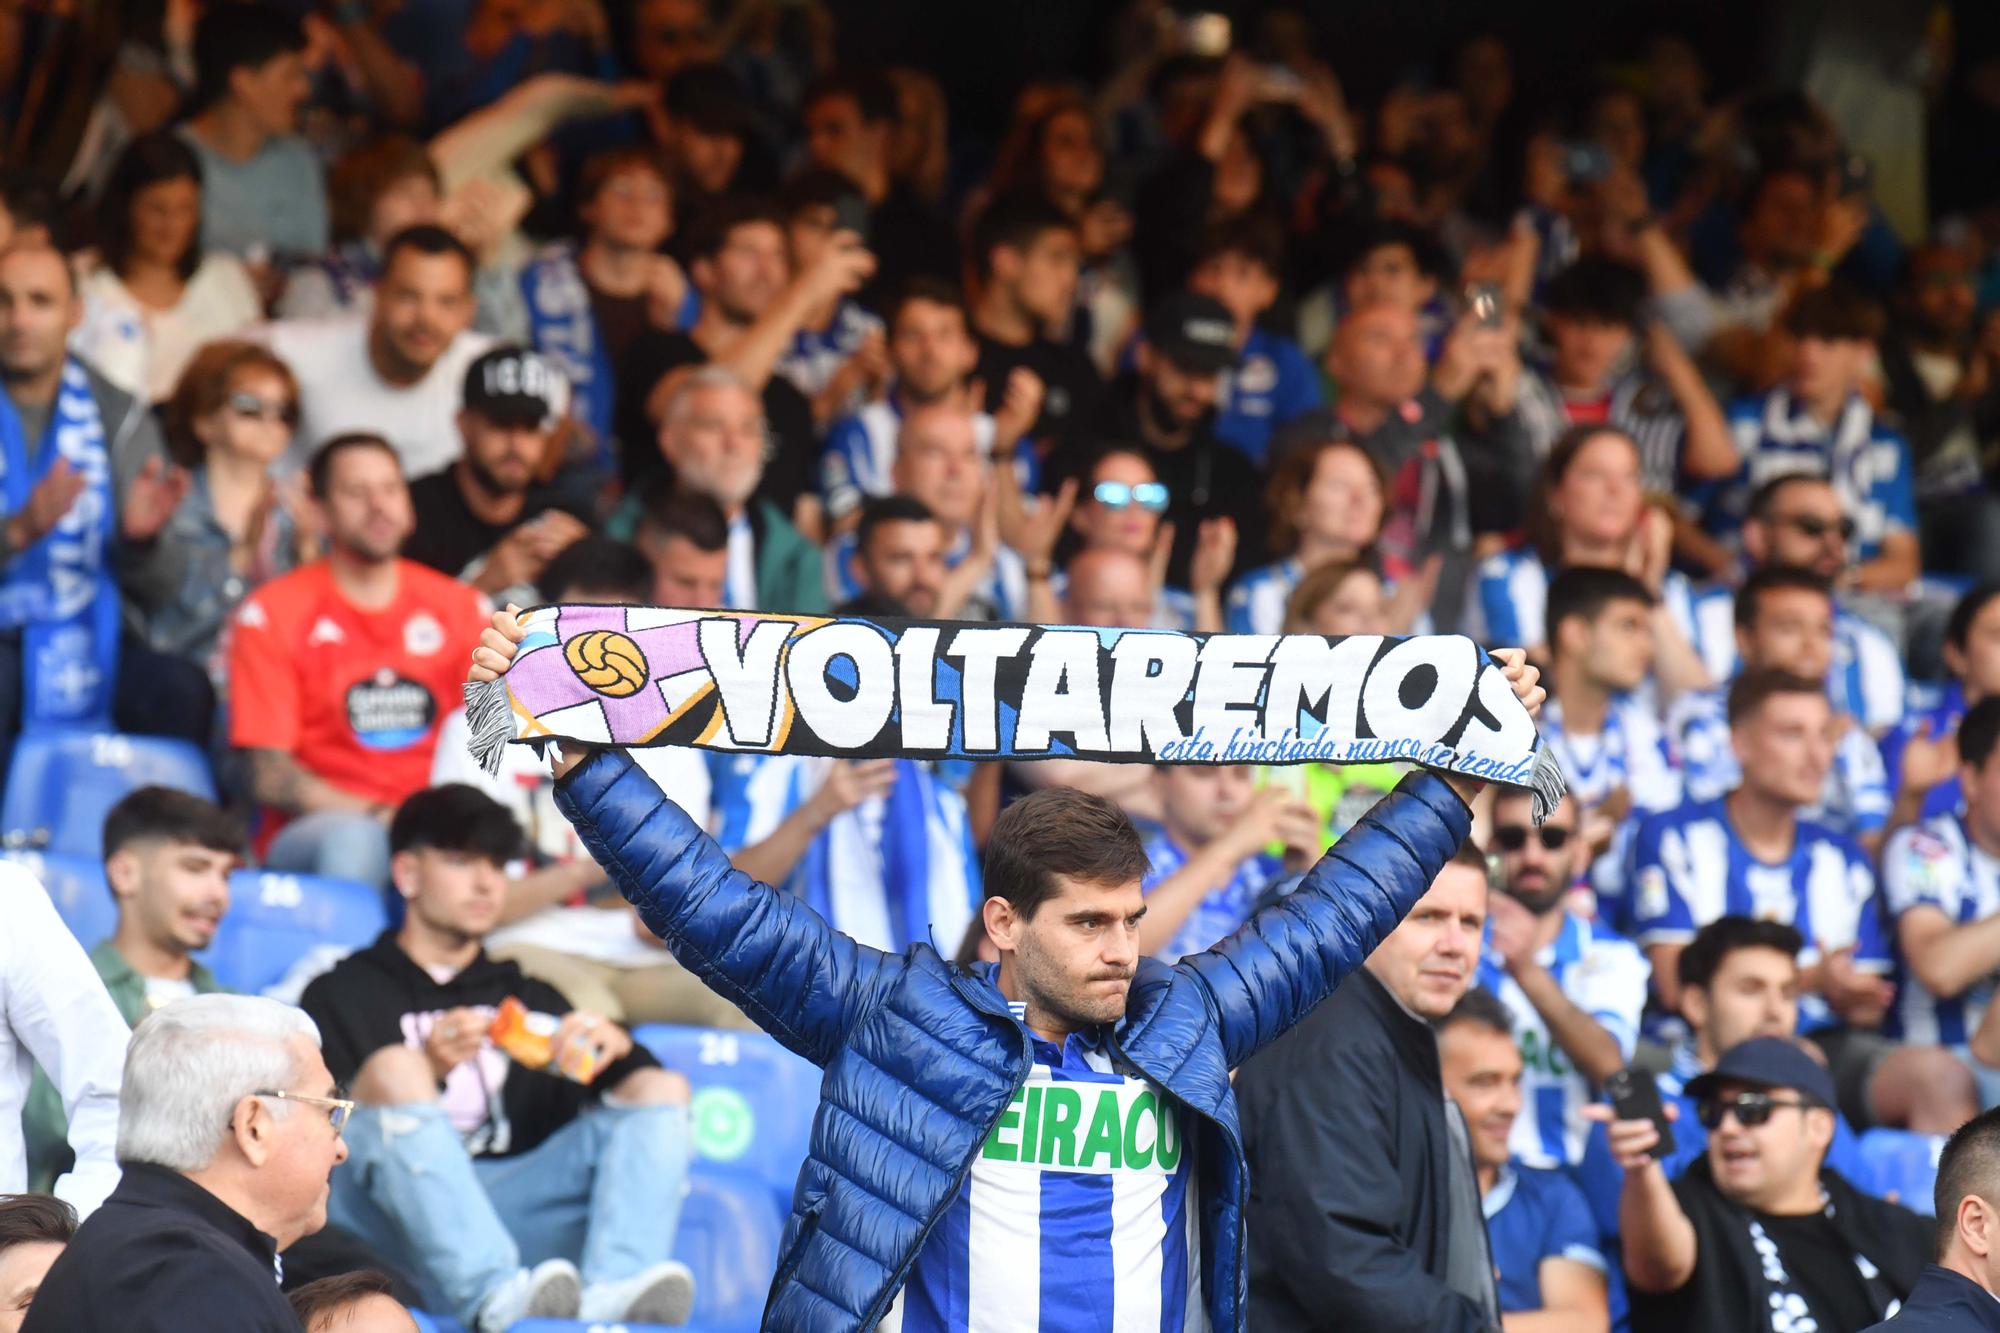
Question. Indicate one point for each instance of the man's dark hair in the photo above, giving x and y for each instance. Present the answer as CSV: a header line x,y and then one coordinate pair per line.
x,y
233,37
596,563
1382,233
1749,692
870,90
456,818
427,238
889,509
1969,1164
814,187
1979,732
1254,236
1775,578
319,469
1584,592
1014,222
167,814
150,159
1482,1007
1835,312
1597,290
1958,629
32,1219
330,1296
1765,498
667,510
931,291
1059,831
1704,955
31,201
717,221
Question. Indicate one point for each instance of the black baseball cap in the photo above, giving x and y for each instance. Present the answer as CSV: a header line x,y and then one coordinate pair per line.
x,y
512,386
1195,332
1767,1062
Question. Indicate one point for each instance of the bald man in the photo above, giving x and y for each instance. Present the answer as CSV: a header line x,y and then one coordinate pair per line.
x,y
83,472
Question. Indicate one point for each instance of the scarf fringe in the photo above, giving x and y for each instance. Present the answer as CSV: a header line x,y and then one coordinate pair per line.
x,y
489,724
1546,781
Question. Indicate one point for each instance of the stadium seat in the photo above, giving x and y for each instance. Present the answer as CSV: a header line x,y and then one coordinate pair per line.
x,y
753,1100
729,1237
63,782
1903,1164
76,883
274,918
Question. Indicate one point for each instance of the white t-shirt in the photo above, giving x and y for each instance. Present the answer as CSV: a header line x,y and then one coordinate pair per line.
x,y
339,390
142,350
524,786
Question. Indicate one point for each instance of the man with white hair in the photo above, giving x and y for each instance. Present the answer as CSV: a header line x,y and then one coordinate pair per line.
x,y
713,436
228,1133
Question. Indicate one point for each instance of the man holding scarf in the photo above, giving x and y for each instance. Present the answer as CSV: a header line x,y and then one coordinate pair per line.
x,y
81,468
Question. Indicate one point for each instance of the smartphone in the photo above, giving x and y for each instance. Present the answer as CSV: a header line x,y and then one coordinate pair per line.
x,y
1281,83
1856,176
1485,302
850,213
1585,161
1635,1096
1205,34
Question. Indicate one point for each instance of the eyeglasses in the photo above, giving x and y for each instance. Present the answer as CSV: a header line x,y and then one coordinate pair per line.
x,y
1812,525
257,409
1149,495
1513,837
1752,1109
337,1108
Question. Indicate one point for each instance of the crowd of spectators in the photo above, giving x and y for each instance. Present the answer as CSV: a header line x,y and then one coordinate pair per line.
x,y
327,329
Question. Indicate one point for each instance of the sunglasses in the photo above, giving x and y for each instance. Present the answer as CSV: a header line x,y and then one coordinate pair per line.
x,y
1812,525
337,1108
1513,837
251,407
1149,495
1752,1109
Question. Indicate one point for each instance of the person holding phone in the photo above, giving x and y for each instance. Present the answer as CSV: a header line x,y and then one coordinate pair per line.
x,y
1760,1233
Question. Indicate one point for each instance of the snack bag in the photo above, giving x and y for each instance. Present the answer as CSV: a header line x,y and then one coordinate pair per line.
x,y
529,1039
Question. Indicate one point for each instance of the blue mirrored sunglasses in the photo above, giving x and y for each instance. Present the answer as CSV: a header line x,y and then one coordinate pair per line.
x,y
1150,495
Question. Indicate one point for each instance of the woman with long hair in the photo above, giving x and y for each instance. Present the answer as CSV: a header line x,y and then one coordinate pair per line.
x,y
155,295
1326,502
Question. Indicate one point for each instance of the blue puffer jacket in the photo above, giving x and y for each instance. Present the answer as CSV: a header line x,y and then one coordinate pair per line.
x,y
921,1057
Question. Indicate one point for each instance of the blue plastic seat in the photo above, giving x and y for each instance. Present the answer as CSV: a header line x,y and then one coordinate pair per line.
x,y
62,783
274,918
753,1100
77,885
1902,1164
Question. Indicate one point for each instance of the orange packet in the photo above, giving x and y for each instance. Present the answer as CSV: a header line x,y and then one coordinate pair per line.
x,y
529,1039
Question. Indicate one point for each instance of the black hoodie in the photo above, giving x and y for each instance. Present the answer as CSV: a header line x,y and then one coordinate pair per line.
x,y
380,997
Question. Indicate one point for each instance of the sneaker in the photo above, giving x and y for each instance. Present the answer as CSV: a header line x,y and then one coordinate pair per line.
x,y
662,1294
551,1290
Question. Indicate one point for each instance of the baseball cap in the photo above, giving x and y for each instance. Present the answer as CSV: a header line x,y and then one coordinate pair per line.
x,y
1767,1062
1193,331
512,386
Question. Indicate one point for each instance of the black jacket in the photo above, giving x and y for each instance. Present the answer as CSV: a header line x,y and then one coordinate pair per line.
x,y
1945,1302
1728,1290
1344,1126
163,1255
379,997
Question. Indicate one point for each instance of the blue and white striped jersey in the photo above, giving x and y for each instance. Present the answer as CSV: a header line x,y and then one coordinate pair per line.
x,y
1687,868
1532,1215
1854,801
1629,753
894,871
1511,601
1256,602
1938,719
1273,382
1936,864
1078,1216
1219,914
1001,595
815,354
1867,462
860,453
1865,680
1601,973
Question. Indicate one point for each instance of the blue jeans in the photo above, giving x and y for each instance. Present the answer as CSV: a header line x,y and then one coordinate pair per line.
x,y
604,1191
339,844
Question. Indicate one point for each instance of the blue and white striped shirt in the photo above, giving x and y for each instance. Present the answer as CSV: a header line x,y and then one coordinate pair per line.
x,y
1273,382
1079,1214
1855,799
1256,603
1630,753
1218,915
1601,973
1001,595
815,354
1867,462
860,455
1936,864
1865,680
1510,608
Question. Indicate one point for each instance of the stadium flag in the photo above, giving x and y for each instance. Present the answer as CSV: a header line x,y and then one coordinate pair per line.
x,y
927,689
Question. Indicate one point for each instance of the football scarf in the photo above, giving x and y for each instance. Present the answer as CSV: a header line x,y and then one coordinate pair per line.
x,y
920,689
